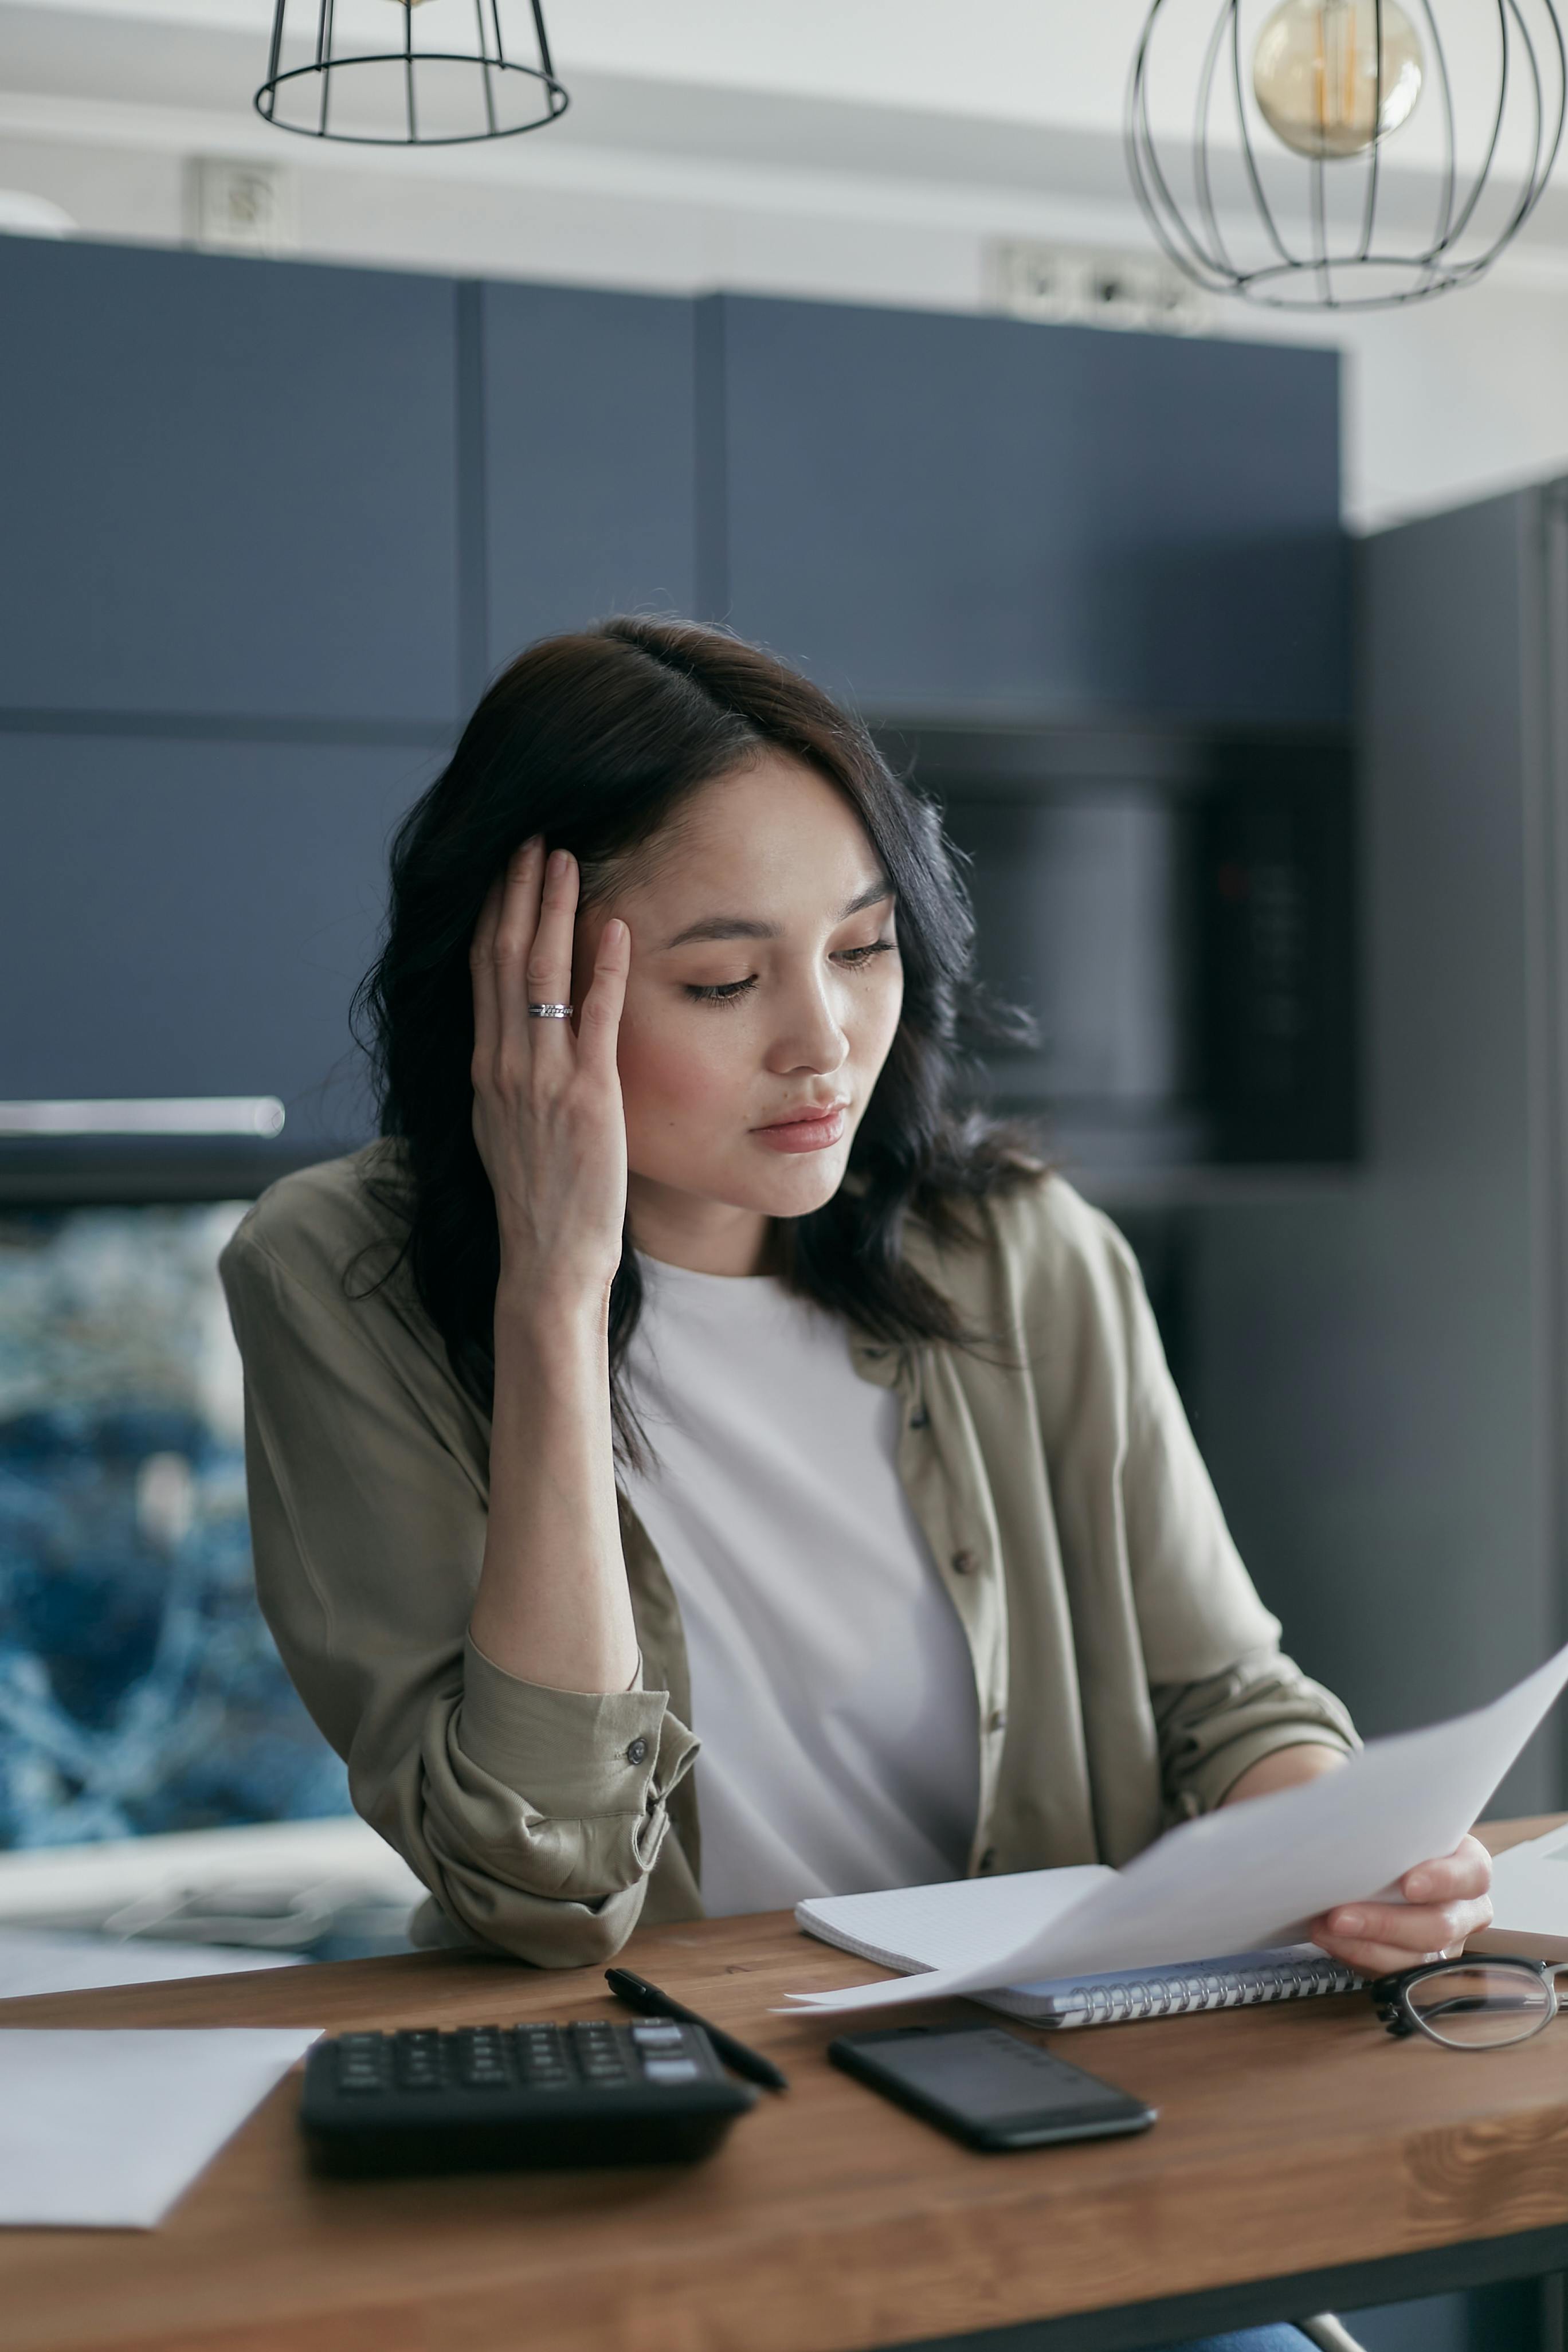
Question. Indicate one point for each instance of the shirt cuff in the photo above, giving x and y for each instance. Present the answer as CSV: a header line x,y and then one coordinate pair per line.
x,y
570,1755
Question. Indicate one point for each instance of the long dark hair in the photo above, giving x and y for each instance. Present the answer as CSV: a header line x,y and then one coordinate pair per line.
x,y
593,741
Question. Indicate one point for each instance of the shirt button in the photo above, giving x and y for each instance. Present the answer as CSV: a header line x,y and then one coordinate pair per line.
x,y
988,1859
636,1751
998,1718
920,1418
963,1563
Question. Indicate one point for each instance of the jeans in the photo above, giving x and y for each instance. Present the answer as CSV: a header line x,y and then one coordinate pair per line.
x,y
1278,2339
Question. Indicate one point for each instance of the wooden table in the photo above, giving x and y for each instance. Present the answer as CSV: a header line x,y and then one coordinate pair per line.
x,y
1302,2162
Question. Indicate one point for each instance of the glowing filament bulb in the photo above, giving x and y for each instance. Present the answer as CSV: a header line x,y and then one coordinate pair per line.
x,y
1316,75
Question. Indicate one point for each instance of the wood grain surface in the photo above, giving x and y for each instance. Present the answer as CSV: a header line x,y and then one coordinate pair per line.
x,y
1289,2139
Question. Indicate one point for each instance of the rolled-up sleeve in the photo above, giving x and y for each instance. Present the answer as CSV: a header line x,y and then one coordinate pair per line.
x,y
1214,1731
533,1815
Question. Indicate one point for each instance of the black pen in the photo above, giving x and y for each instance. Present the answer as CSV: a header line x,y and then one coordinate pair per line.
x,y
638,1993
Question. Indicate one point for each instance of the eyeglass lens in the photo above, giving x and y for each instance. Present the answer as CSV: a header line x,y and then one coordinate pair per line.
x,y
1481,2004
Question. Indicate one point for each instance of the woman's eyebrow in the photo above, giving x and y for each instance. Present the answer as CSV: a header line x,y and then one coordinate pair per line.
x,y
746,927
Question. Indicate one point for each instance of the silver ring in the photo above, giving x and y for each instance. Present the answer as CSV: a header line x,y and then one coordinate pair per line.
x,y
549,1012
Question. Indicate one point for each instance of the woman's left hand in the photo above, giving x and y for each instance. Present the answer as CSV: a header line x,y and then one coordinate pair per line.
x,y
1445,1901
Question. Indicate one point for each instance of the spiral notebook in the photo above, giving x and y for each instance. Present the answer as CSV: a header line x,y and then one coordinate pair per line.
x,y
912,1928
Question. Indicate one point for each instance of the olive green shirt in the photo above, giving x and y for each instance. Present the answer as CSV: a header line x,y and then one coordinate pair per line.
x,y
1127,1672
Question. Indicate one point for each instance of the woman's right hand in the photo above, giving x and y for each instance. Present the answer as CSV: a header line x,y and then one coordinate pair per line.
x,y
547,1097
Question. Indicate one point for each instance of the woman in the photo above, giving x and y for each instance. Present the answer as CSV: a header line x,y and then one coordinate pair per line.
x,y
684,1360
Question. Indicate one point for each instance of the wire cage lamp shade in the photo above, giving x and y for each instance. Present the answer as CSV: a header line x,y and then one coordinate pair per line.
x,y
410,73
1261,141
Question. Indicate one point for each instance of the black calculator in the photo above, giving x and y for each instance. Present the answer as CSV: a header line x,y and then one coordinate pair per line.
x,y
495,2095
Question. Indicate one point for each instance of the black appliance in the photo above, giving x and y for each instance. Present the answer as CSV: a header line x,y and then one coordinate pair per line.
x,y
1176,910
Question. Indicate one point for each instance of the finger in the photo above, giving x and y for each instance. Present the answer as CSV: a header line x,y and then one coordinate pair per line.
x,y
514,938
1373,1960
482,967
1454,1878
1416,1926
599,1023
549,956
1413,1928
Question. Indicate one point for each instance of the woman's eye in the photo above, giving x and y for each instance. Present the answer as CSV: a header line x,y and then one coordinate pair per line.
x,y
863,955
724,992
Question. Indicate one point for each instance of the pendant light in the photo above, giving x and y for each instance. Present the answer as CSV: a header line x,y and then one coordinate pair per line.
x,y
410,73
1278,187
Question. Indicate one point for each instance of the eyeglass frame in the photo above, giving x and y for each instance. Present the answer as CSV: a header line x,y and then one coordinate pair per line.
x,y
1391,1996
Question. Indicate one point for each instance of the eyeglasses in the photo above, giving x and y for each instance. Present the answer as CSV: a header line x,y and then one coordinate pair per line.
x,y
1470,2004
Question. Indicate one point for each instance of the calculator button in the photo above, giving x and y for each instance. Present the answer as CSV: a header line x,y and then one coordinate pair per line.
x,y
545,2069
421,2062
360,2077
483,2056
671,2069
648,2037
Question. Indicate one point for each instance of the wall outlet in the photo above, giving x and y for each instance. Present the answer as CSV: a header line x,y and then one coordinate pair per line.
x,y
233,205
1083,285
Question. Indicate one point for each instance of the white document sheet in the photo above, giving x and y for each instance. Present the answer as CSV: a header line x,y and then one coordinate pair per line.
x,y
105,2129
1255,1874
37,1959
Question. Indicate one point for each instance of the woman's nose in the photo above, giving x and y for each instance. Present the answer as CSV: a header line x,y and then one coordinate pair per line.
x,y
809,1038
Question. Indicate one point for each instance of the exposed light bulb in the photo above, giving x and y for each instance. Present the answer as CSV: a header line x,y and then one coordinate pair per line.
x,y
1315,73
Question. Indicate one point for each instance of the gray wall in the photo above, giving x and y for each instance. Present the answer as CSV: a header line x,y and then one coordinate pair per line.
x,y
1373,1369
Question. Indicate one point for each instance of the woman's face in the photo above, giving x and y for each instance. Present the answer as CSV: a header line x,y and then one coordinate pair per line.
x,y
763,994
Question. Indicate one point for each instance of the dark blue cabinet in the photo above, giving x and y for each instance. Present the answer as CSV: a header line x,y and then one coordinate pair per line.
x,y
187,917
970,515
229,489
589,458
264,528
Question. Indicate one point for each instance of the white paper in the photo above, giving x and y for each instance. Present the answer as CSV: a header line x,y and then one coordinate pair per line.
x,y
37,1959
1256,1873
105,2129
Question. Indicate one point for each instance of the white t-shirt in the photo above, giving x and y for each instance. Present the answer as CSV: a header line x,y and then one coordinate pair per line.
x,y
831,1682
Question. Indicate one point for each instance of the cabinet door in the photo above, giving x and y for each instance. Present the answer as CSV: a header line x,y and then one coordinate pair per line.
x,y
192,918
589,441
230,487
971,515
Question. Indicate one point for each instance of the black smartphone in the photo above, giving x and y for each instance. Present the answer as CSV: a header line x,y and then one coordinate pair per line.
x,y
988,2087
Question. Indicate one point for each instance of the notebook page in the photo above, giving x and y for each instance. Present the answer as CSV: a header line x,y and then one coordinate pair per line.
x,y
953,1925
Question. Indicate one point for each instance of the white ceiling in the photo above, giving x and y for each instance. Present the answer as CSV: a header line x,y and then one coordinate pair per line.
x,y
1038,61
1021,93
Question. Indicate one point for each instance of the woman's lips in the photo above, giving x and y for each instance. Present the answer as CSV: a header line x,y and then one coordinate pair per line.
x,y
812,1130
